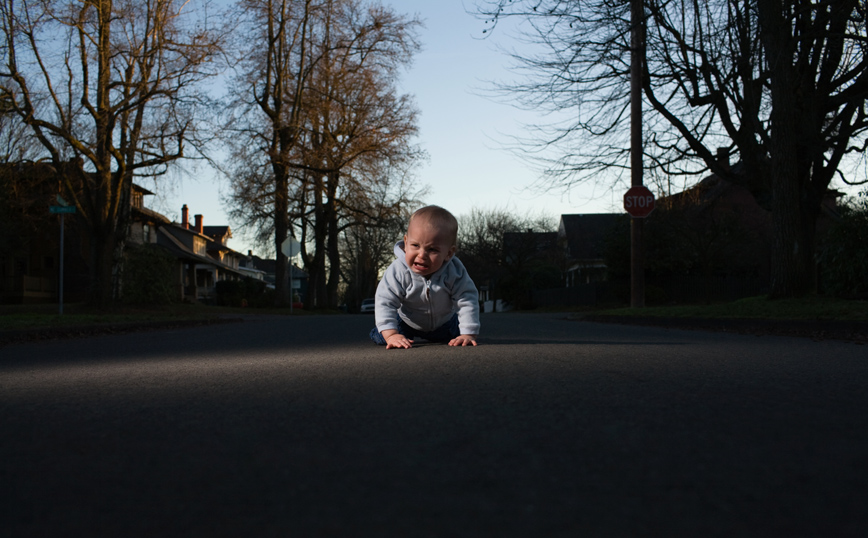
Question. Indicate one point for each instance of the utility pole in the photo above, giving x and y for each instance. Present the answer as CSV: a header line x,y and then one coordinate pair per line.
x,y
637,64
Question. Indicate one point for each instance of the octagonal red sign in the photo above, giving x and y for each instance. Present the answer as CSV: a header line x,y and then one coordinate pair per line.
x,y
639,202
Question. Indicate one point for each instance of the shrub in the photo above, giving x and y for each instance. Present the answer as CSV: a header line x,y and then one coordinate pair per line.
x,y
149,275
248,291
843,255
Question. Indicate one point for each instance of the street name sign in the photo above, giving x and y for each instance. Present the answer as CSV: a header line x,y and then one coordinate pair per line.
x,y
61,209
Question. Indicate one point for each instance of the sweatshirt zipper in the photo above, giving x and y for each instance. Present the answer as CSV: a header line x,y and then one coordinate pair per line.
x,y
430,306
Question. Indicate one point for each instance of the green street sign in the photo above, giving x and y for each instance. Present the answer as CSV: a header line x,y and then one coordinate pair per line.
x,y
61,209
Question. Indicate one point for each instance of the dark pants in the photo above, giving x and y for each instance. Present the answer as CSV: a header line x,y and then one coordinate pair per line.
x,y
443,333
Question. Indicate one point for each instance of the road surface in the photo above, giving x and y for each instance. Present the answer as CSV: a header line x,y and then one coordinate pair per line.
x,y
299,426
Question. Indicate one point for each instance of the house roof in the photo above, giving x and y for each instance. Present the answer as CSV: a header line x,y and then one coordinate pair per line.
x,y
268,266
701,194
179,226
215,236
216,246
150,214
139,188
218,233
177,248
586,234
710,188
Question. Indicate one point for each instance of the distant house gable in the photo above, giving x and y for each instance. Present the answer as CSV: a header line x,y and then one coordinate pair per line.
x,y
267,266
585,237
219,234
144,222
585,234
192,240
217,248
519,246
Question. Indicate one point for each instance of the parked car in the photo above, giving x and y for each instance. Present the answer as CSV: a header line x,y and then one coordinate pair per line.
x,y
367,306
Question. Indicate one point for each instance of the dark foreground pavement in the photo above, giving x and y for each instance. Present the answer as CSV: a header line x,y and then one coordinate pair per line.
x,y
300,427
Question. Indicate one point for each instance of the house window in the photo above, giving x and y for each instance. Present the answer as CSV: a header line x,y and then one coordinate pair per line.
x,y
20,267
146,233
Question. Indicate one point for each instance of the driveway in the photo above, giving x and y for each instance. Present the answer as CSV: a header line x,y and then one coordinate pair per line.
x,y
278,426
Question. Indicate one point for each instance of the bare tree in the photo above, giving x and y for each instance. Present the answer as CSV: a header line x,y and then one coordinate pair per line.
x,y
781,84
334,123
359,127
367,247
272,41
109,89
501,252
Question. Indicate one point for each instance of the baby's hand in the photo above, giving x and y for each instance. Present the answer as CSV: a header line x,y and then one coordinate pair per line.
x,y
464,340
398,340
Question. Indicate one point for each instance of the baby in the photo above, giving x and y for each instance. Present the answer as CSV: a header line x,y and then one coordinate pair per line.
x,y
426,291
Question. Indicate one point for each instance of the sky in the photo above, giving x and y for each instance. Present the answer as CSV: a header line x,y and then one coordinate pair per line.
x,y
462,131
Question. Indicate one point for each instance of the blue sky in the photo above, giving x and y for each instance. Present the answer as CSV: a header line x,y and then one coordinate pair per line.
x,y
459,128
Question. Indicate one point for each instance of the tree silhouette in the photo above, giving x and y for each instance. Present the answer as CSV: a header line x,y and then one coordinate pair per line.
x,y
780,85
109,89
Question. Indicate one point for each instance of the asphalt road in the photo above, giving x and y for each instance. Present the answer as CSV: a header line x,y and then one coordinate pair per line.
x,y
302,427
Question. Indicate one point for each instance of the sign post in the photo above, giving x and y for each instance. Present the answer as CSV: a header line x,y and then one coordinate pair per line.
x,y
639,203
61,210
290,248
637,64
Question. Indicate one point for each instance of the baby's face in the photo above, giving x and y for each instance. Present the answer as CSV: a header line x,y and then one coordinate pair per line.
x,y
426,248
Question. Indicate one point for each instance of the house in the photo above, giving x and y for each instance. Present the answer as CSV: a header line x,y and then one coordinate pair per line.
x,y
217,249
30,238
265,269
584,237
202,260
30,242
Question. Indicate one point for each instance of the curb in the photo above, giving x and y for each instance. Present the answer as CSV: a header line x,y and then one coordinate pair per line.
x,y
85,331
853,331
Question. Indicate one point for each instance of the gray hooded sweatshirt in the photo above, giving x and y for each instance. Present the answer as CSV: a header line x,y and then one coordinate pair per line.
x,y
426,303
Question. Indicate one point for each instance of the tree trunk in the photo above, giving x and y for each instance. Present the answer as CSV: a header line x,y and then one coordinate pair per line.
x,y
793,225
794,206
102,255
316,271
281,228
334,254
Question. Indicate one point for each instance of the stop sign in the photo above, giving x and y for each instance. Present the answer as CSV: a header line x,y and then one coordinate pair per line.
x,y
639,202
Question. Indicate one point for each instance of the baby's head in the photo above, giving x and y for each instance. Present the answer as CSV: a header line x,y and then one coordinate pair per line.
x,y
438,218
431,239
